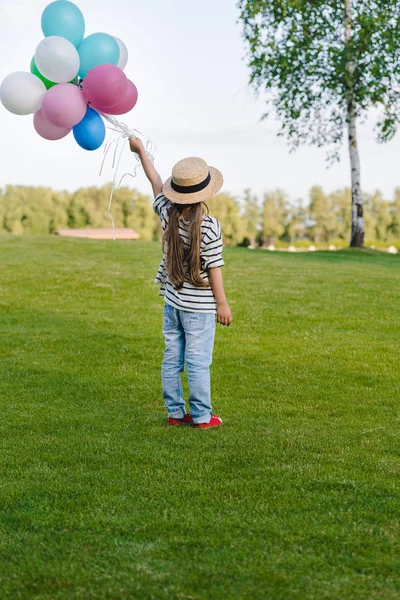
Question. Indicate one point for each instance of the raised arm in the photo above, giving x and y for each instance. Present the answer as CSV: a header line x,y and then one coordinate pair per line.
x,y
224,315
151,174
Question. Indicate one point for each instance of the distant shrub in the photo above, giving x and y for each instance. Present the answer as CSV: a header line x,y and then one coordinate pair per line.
x,y
339,243
280,244
304,244
378,244
245,243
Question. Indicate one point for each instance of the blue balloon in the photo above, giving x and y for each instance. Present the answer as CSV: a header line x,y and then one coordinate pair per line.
x,y
64,19
98,49
91,131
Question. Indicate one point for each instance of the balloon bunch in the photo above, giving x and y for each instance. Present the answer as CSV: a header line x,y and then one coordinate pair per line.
x,y
73,80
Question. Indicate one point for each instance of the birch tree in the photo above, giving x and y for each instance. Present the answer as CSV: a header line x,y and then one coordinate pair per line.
x,y
323,65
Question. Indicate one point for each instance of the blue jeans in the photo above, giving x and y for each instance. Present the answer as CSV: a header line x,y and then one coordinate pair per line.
x,y
190,336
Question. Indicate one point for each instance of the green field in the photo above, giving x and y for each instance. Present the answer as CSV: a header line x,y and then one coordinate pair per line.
x,y
297,496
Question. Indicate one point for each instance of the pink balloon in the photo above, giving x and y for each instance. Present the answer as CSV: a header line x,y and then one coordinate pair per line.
x,y
64,105
125,105
105,85
47,130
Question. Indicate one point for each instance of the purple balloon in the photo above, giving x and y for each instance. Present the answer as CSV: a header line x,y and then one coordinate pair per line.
x,y
126,104
105,85
64,105
47,130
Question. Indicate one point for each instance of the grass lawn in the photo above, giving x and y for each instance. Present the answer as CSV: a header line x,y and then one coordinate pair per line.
x,y
296,497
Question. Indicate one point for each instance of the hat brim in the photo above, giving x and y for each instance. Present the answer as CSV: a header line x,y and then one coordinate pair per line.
x,y
213,188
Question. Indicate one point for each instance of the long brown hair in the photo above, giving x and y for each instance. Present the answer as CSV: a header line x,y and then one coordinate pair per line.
x,y
177,253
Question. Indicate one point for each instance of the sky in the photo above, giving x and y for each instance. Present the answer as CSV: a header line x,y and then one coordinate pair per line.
x,y
187,60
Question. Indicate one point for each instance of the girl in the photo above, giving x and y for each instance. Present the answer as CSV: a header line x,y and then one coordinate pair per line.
x,y
191,282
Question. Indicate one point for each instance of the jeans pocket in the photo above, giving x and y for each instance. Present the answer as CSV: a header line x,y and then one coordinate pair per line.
x,y
195,321
170,321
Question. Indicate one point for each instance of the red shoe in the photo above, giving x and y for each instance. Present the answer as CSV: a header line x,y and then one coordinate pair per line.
x,y
187,420
215,422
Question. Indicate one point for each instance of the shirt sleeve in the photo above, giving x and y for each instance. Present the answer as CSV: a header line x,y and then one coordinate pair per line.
x,y
161,204
211,252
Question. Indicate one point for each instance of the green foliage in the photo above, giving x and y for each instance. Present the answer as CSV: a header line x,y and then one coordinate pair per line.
x,y
41,210
297,497
323,215
340,201
226,209
298,55
395,212
383,218
380,221
33,210
276,220
141,216
251,216
295,222
304,243
274,213
88,207
376,244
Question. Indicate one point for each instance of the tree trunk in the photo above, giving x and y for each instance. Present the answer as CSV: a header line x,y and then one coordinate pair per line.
x,y
269,241
357,201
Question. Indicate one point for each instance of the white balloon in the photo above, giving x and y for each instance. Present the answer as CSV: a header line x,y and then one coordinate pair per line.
x,y
57,59
123,58
22,93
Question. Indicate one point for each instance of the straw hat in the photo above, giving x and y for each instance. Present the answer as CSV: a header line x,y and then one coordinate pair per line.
x,y
192,181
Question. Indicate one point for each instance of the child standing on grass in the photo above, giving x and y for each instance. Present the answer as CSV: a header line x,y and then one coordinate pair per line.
x,y
191,283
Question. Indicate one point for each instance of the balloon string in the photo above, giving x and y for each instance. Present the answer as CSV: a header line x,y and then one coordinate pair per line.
x,y
121,132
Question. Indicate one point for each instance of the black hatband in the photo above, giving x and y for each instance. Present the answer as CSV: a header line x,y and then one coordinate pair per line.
x,y
191,189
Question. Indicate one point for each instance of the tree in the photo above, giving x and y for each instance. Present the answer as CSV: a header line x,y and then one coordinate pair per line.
x,y
340,201
383,217
324,218
370,219
89,208
1,210
34,210
59,216
395,212
140,216
296,222
275,210
226,210
251,216
13,209
324,64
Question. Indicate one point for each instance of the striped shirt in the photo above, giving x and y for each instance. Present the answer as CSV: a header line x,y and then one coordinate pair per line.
x,y
191,298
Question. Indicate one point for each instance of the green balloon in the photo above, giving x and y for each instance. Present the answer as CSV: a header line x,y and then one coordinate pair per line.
x,y
47,83
35,71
